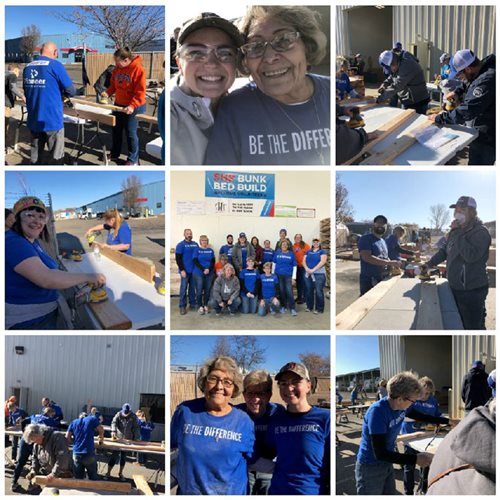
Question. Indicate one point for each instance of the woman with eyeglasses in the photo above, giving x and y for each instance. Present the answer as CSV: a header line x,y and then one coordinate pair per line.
x,y
381,425
283,116
315,277
207,54
32,277
214,439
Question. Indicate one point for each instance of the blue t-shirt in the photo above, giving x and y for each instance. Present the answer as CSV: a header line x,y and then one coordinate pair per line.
x,y
268,285
313,259
445,71
227,250
249,278
42,419
379,419
83,434
204,256
45,81
124,237
343,85
244,255
14,415
378,248
254,129
285,262
146,428
19,290
213,451
57,410
392,243
429,407
267,255
302,444
186,249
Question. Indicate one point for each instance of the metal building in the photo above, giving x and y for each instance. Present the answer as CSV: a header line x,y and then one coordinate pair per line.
x,y
152,198
424,30
109,370
443,358
367,379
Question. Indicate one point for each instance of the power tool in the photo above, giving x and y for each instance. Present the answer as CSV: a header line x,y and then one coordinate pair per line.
x,y
356,120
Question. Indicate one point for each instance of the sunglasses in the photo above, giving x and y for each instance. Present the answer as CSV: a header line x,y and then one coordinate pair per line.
x,y
280,43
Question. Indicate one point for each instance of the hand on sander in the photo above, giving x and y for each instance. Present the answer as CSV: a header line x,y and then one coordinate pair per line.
x,y
97,295
356,120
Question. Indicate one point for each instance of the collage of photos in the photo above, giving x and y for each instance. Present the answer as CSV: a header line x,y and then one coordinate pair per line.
x,y
169,256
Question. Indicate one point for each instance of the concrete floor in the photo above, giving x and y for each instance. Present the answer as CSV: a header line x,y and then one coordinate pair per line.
x,y
303,321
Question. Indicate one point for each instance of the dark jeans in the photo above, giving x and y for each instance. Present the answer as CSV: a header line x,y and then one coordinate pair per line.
x,y
471,306
301,284
375,479
248,305
54,139
15,442
202,285
47,322
187,282
315,288
128,124
233,307
25,450
367,283
85,462
409,472
286,292
481,153
259,482
115,456
419,107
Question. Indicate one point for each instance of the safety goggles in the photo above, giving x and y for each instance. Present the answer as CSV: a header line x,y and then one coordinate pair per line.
x,y
280,43
201,53
36,214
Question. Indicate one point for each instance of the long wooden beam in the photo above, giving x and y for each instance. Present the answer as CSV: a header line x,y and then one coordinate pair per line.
x,y
85,484
112,107
142,485
147,118
129,447
89,115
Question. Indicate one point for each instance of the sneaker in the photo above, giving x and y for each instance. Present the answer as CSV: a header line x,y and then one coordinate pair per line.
x,y
231,313
182,311
192,307
308,310
201,310
293,312
283,310
16,487
206,310
217,313
111,158
129,163
315,312
121,478
107,477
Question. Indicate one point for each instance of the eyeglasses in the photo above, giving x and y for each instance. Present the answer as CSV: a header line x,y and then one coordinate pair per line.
x,y
252,395
410,400
212,379
280,43
292,383
35,215
201,53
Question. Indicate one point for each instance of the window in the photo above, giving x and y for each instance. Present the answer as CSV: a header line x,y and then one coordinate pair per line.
x,y
158,204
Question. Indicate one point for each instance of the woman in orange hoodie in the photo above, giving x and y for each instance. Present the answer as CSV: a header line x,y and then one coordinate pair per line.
x,y
128,82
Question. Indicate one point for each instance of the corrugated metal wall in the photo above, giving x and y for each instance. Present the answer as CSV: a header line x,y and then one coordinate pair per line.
x,y
466,349
392,354
109,370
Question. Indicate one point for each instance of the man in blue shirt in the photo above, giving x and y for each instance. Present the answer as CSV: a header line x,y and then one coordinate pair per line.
x,y
46,83
373,255
81,433
184,257
228,248
48,403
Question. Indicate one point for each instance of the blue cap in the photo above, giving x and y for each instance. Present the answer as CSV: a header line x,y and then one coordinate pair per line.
x,y
461,60
398,45
478,364
126,408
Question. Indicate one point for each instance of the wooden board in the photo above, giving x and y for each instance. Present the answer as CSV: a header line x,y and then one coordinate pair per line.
x,y
111,107
130,447
84,484
424,445
429,310
142,485
89,115
147,118
413,435
110,317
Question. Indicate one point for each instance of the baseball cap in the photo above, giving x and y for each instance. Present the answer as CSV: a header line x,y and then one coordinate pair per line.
x,y
443,57
461,60
380,217
385,58
243,235
478,364
28,202
297,368
210,20
126,408
398,45
464,202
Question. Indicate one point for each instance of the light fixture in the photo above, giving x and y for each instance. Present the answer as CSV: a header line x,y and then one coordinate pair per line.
x,y
19,349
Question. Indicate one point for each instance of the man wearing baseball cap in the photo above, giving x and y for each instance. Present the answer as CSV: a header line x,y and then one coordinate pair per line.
x,y
405,79
466,252
475,389
299,438
477,107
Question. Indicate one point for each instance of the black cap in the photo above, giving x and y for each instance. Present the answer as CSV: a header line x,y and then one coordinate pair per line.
x,y
380,217
210,20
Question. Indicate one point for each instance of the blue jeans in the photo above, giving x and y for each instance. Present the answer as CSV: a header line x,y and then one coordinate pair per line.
x,y
259,482
25,450
248,305
85,462
202,285
481,153
15,442
315,288
128,124
233,307
268,306
375,479
187,282
409,472
367,283
301,284
142,458
471,306
286,292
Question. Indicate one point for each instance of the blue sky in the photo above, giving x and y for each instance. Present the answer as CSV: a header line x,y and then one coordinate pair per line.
x,y
71,189
407,196
280,349
355,353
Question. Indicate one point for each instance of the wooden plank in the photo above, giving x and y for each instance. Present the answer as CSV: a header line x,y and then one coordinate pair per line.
x,y
109,316
147,118
142,485
143,268
130,447
83,484
429,310
352,315
156,444
88,115
414,435
112,107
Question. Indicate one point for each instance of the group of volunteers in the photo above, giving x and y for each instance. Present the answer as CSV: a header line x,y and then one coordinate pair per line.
x,y
255,448
33,277
279,117
251,277
47,85
465,248
61,451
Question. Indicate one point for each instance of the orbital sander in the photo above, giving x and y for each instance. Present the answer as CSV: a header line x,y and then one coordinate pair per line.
x,y
98,295
356,120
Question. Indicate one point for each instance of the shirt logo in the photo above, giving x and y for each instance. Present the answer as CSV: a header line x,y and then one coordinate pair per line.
x,y
477,92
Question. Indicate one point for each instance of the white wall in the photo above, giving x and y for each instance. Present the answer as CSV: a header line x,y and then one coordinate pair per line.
x,y
302,189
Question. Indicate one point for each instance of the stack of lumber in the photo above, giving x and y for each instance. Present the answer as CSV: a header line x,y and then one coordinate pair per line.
x,y
324,237
175,277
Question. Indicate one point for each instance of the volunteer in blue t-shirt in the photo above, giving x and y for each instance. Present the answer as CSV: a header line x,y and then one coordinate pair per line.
x,y
315,278
81,431
267,254
119,232
249,287
146,430
374,256
203,273
213,438
45,84
32,277
285,268
15,413
269,291
227,249
299,437
381,425
394,249
184,252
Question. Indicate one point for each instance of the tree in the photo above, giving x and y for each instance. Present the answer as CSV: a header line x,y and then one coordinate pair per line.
x,y
247,352
318,365
440,216
30,38
221,347
127,25
343,210
131,188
